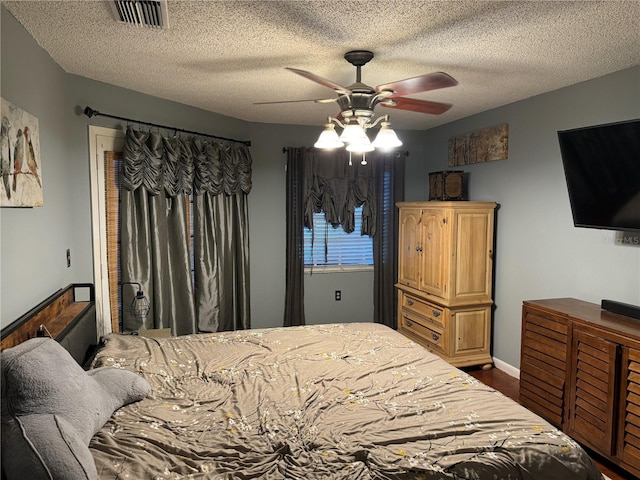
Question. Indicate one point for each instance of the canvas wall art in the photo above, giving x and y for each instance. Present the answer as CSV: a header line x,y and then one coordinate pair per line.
x,y
21,170
486,145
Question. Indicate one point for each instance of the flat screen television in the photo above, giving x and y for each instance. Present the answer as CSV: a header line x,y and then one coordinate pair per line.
x,y
602,170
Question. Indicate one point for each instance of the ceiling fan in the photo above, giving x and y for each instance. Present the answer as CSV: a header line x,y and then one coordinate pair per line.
x,y
358,99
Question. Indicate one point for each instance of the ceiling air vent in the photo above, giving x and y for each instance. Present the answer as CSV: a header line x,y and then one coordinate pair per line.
x,y
145,13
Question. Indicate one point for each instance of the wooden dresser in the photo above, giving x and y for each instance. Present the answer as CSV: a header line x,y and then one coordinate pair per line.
x,y
445,270
580,370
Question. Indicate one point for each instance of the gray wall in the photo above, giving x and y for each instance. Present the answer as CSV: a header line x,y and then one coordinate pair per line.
x,y
539,252
33,241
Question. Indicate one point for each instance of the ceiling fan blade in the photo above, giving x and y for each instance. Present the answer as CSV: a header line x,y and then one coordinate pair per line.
x,y
322,81
421,106
316,100
422,83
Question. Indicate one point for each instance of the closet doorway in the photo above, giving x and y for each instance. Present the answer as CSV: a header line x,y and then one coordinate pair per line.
x,y
105,147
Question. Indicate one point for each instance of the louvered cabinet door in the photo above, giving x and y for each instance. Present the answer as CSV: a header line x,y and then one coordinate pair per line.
x,y
543,365
593,394
629,433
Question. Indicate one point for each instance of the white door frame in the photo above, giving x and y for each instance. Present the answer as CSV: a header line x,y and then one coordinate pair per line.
x,y
101,139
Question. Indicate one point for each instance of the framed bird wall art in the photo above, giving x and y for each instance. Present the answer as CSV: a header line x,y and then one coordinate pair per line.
x,y
21,169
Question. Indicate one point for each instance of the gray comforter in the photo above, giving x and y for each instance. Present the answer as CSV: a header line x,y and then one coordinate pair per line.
x,y
348,401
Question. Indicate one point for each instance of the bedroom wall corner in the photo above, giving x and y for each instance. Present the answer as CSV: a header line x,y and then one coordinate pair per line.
x,y
539,253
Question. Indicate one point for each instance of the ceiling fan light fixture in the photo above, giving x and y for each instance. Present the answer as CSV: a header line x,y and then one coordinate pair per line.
x,y
360,148
353,133
386,138
361,145
329,139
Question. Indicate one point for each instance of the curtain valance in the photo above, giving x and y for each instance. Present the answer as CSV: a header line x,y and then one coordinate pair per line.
x,y
336,184
184,165
336,187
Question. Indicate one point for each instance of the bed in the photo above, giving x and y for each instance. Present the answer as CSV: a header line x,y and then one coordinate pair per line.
x,y
335,401
352,401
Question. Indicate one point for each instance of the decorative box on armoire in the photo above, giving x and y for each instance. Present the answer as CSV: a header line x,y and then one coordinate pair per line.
x,y
447,185
445,271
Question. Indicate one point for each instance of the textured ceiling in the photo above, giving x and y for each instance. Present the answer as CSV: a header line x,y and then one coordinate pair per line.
x,y
223,56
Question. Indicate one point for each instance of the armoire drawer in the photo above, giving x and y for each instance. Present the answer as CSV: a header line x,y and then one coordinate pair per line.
x,y
428,335
432,313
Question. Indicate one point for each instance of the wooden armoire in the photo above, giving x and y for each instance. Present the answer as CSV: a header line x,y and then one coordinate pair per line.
x,y
445,272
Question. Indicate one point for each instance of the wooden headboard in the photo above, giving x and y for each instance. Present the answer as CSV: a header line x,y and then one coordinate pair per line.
x,y
62,316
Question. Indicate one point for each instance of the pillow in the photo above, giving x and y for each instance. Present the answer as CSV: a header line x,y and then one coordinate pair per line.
x,y
51,408
56,452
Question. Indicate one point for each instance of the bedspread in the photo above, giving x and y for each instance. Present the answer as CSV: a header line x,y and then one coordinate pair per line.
x,y
338,401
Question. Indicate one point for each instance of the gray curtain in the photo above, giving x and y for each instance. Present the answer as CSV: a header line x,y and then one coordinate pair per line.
x,y
158,176
335,183
222,263
389,185
294,267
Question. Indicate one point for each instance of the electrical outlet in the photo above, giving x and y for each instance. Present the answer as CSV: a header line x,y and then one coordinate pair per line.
x,y
338,295
68,257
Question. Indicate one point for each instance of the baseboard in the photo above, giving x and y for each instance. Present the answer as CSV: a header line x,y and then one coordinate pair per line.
x,y
506,368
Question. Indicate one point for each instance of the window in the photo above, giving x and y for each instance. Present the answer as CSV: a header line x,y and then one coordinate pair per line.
x,y
343,252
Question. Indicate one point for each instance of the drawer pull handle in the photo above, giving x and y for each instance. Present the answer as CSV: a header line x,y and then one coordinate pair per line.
x,y
409,302
408,322
435,336
436,313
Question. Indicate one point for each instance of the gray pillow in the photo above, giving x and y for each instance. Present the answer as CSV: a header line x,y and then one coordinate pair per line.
x,y
51,408
44,447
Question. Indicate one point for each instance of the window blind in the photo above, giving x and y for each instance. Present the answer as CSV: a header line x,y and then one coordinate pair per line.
x,y
328,246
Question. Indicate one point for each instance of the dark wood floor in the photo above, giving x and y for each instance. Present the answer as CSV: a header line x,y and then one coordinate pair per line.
x,y
509,386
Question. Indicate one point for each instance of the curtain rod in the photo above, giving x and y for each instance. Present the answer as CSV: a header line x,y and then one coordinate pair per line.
x,y
90,112
286,150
